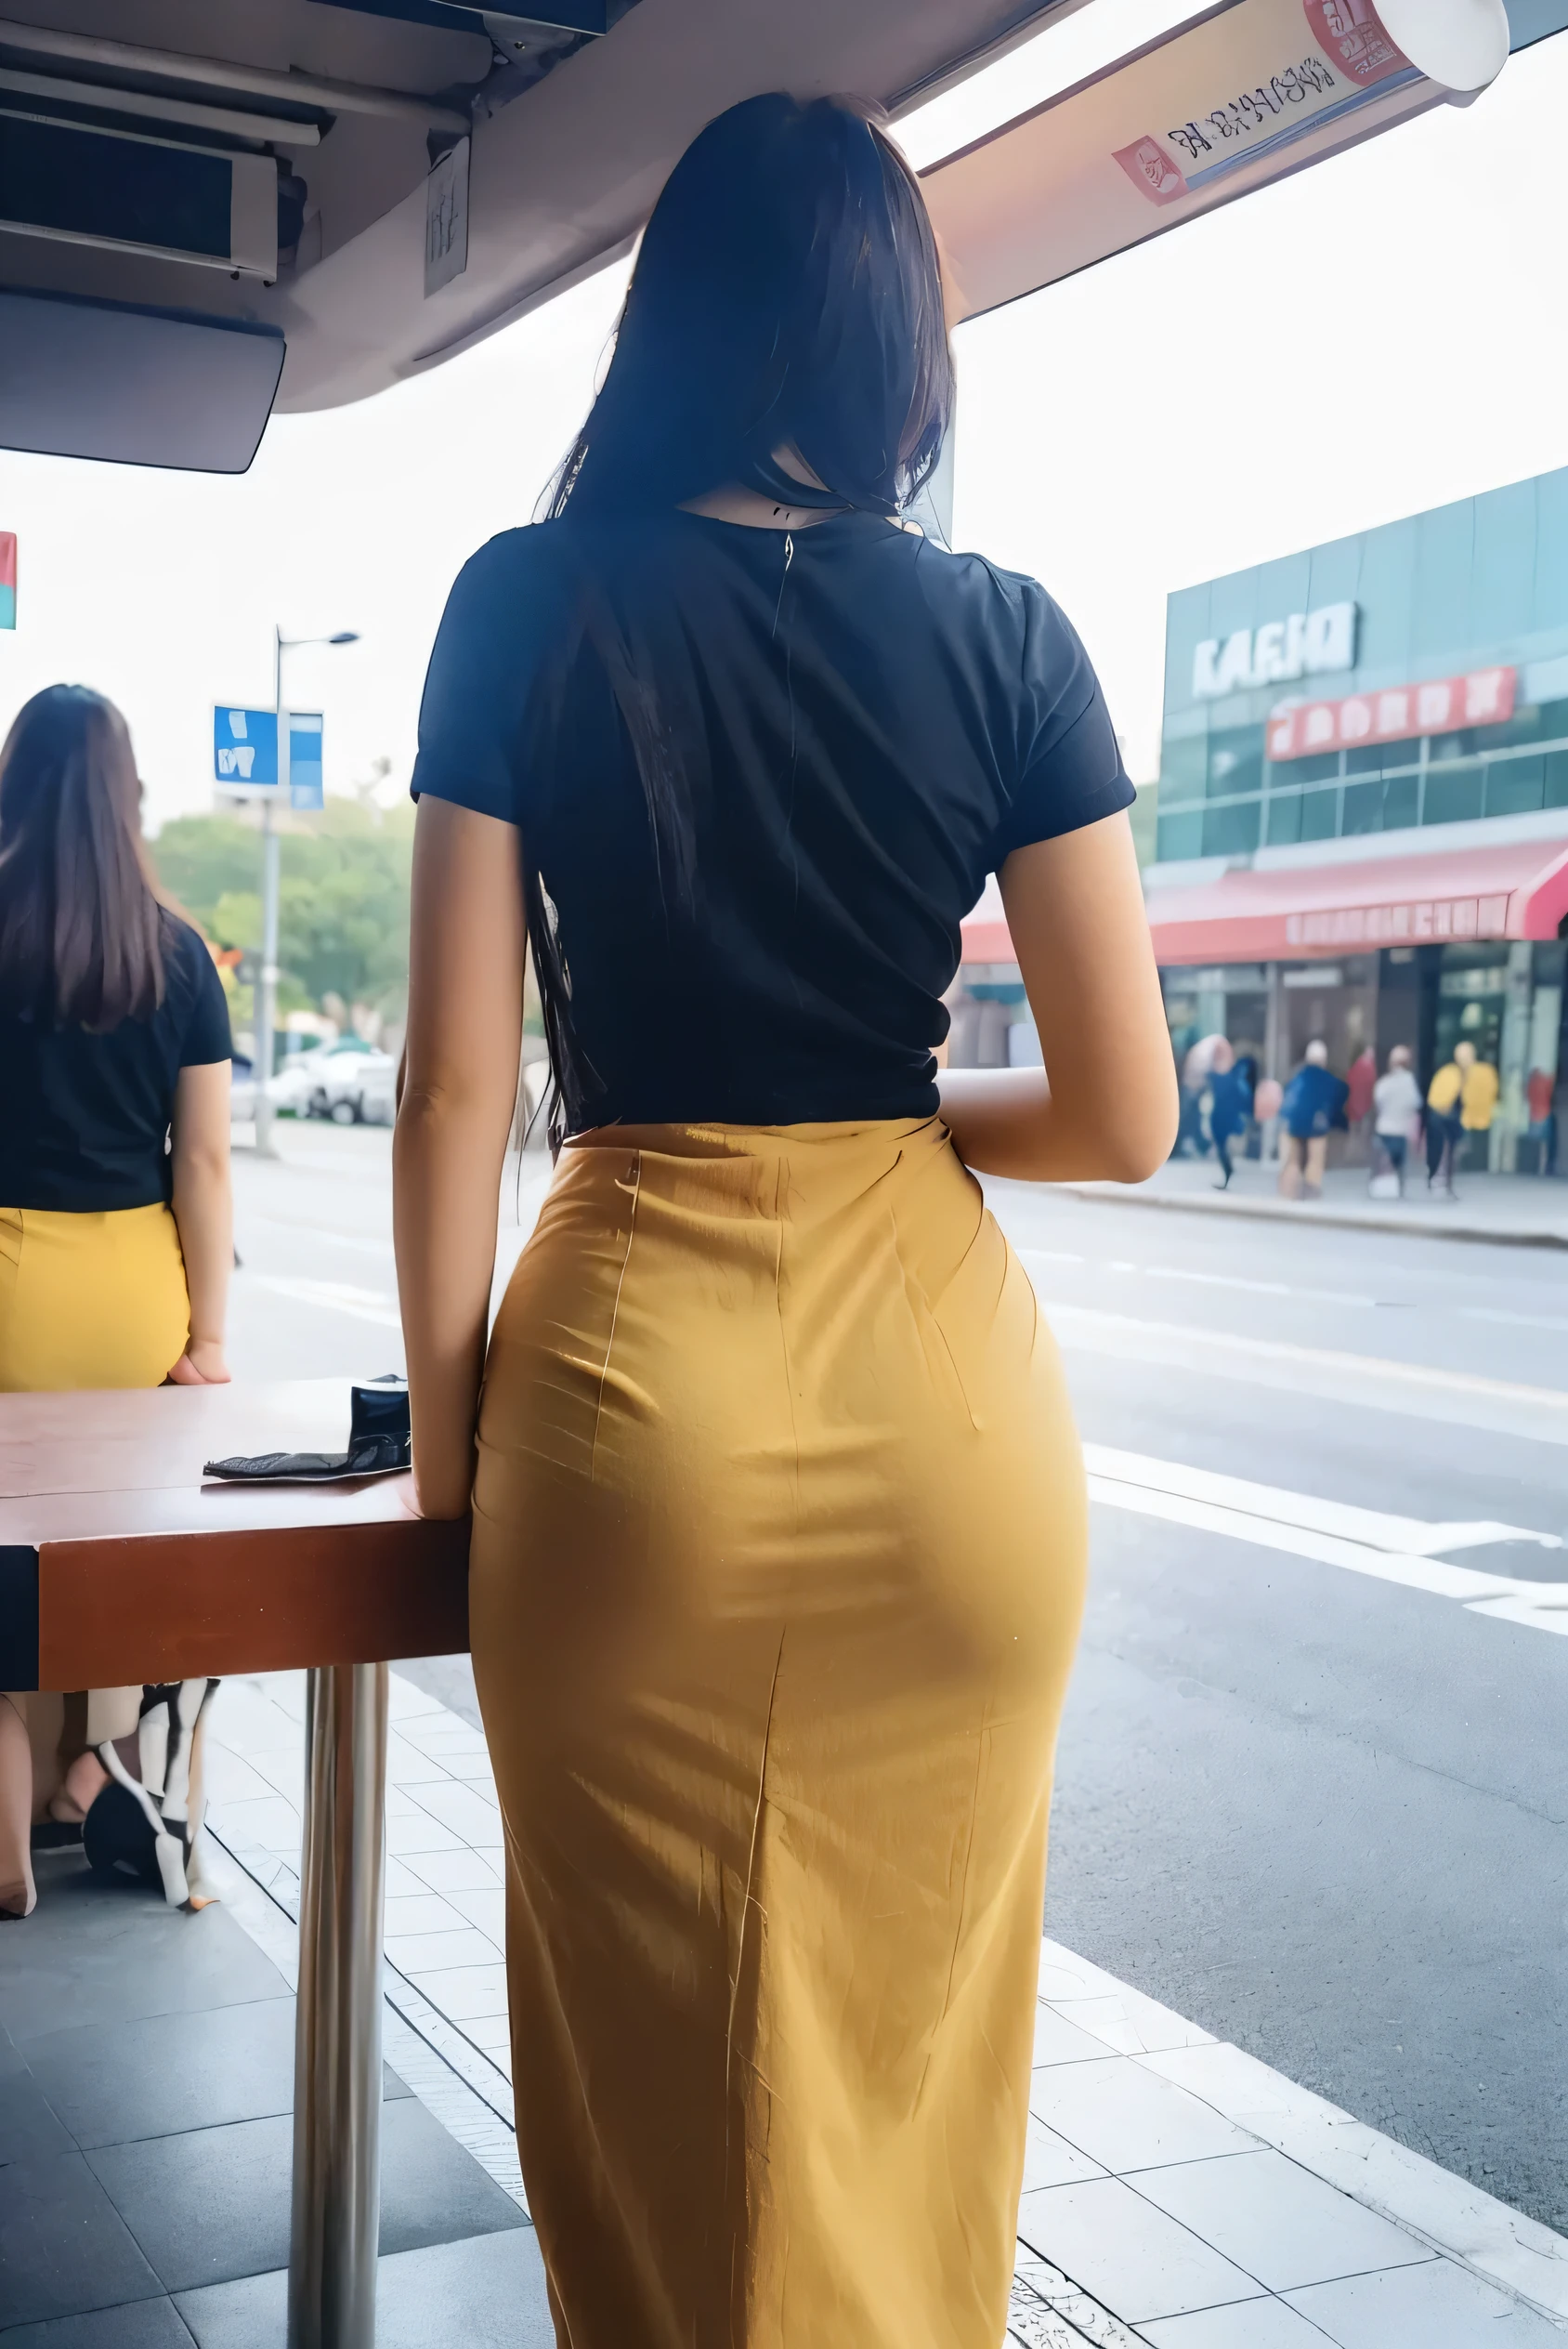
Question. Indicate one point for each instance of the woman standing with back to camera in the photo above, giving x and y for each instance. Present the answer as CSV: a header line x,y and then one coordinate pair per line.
x,y
115,1212
778,1509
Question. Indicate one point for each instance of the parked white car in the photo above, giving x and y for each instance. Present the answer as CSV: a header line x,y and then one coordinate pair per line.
x,y
241,1088
356,1089
308,1082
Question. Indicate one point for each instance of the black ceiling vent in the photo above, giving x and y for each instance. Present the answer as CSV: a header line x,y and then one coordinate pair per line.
x,y
81,378
125,190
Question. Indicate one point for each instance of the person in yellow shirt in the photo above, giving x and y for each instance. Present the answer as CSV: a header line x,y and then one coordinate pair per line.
x,y
1478,1096
1460,1099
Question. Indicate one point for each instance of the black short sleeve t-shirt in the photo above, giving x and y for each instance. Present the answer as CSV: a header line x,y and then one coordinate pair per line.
x,y
860,727
86,1117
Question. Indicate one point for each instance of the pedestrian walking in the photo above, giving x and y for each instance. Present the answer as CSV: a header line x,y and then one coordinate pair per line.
x,y
1478,1096
779,1513
1197,1065
115,1222
1361,1080
1313,1106
1396,1110
1541,1102
1232,1090
1461,1100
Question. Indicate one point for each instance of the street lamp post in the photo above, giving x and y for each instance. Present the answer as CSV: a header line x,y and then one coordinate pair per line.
x,y
266,992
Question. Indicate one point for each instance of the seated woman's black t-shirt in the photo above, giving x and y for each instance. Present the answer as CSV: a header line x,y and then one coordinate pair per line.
x,y
864,726
85,1117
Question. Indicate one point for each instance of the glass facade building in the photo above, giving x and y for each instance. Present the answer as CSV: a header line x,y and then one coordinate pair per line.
x,y
1363,808
1448,594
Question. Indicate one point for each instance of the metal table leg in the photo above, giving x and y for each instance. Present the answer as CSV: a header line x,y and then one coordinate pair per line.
x,y
337,2037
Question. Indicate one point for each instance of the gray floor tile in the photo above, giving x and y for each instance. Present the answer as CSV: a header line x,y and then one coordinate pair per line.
x,y
1051,2160
487,2292
1277,2220
1437,2306
1127,2254
64,2247
1059,2042
214,2205
1251,2324
110,1953
1125,2117
160,2074
142,2324
29,2129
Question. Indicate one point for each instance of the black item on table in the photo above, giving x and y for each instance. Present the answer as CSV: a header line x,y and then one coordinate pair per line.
x,y
378,1445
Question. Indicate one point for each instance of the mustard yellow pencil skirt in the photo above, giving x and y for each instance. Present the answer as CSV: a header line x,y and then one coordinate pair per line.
x,y
777,1568
85,1301
89,1300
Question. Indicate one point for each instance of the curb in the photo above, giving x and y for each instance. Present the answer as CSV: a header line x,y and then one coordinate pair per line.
x,y
1332,1219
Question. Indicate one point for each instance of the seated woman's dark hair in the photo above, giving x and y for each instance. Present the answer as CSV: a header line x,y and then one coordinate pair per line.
x,y
81,927
788,294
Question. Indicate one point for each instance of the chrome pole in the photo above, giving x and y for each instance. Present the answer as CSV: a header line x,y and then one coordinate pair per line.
x,y
338,2031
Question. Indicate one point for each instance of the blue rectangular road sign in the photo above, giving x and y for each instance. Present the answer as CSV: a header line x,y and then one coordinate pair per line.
x,y
305,759
245,749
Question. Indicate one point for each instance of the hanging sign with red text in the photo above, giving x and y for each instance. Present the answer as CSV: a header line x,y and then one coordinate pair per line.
x,y
1396,713
1244,92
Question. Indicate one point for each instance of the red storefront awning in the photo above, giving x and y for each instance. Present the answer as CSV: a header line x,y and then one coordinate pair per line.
x,y
1517,889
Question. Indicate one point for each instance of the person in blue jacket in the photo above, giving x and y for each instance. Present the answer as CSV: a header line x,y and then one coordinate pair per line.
x,y
1314,1105
1230,1112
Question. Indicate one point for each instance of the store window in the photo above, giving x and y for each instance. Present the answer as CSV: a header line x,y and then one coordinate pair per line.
x,y
1389,805
1320,815
1232,830
1515,786
1178,837
1471,991
1183,769
1389,787
1235,762
1453,795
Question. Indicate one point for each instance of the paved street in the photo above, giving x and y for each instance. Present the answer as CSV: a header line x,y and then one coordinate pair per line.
x,y
1312,1789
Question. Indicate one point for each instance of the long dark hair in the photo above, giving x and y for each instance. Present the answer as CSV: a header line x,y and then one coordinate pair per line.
x,y
786,295
81,928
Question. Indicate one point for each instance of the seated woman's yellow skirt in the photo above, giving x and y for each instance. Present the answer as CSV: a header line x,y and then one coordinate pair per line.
x,y
89,1300
778,1567
85,1301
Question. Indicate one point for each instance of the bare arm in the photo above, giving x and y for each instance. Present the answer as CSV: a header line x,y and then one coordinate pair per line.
x,y
460,1081
204,1205
1104,1105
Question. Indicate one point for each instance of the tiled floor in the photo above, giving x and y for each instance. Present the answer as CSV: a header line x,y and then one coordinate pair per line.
x,y
1199,2200
146,2087
1177,2193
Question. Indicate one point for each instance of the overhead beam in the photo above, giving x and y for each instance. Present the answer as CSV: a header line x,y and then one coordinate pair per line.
x,y
219,73
190,112
591,18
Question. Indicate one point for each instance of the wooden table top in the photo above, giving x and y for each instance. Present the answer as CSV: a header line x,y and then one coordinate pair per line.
x,y
120,1562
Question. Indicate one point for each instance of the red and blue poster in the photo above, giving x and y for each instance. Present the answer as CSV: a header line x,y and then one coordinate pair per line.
x,y
8,579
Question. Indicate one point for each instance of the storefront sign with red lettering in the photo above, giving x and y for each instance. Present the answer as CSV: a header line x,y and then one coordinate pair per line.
x,y
1394,713
1352,35
1399,925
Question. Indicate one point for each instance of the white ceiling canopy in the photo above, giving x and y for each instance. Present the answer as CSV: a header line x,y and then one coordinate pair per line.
x,y
382,183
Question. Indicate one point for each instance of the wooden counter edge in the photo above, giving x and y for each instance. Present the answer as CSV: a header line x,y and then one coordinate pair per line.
x,y
106,1611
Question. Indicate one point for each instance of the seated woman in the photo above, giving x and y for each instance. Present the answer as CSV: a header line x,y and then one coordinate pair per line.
x,y
115,1214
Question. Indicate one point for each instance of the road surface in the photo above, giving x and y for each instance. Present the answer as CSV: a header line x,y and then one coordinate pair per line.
x,y
1313,1787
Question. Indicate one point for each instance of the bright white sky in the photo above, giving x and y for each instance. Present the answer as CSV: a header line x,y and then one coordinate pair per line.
x,y
1385,332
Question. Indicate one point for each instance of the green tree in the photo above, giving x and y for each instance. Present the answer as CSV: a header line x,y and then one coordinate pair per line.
x,y
343,925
